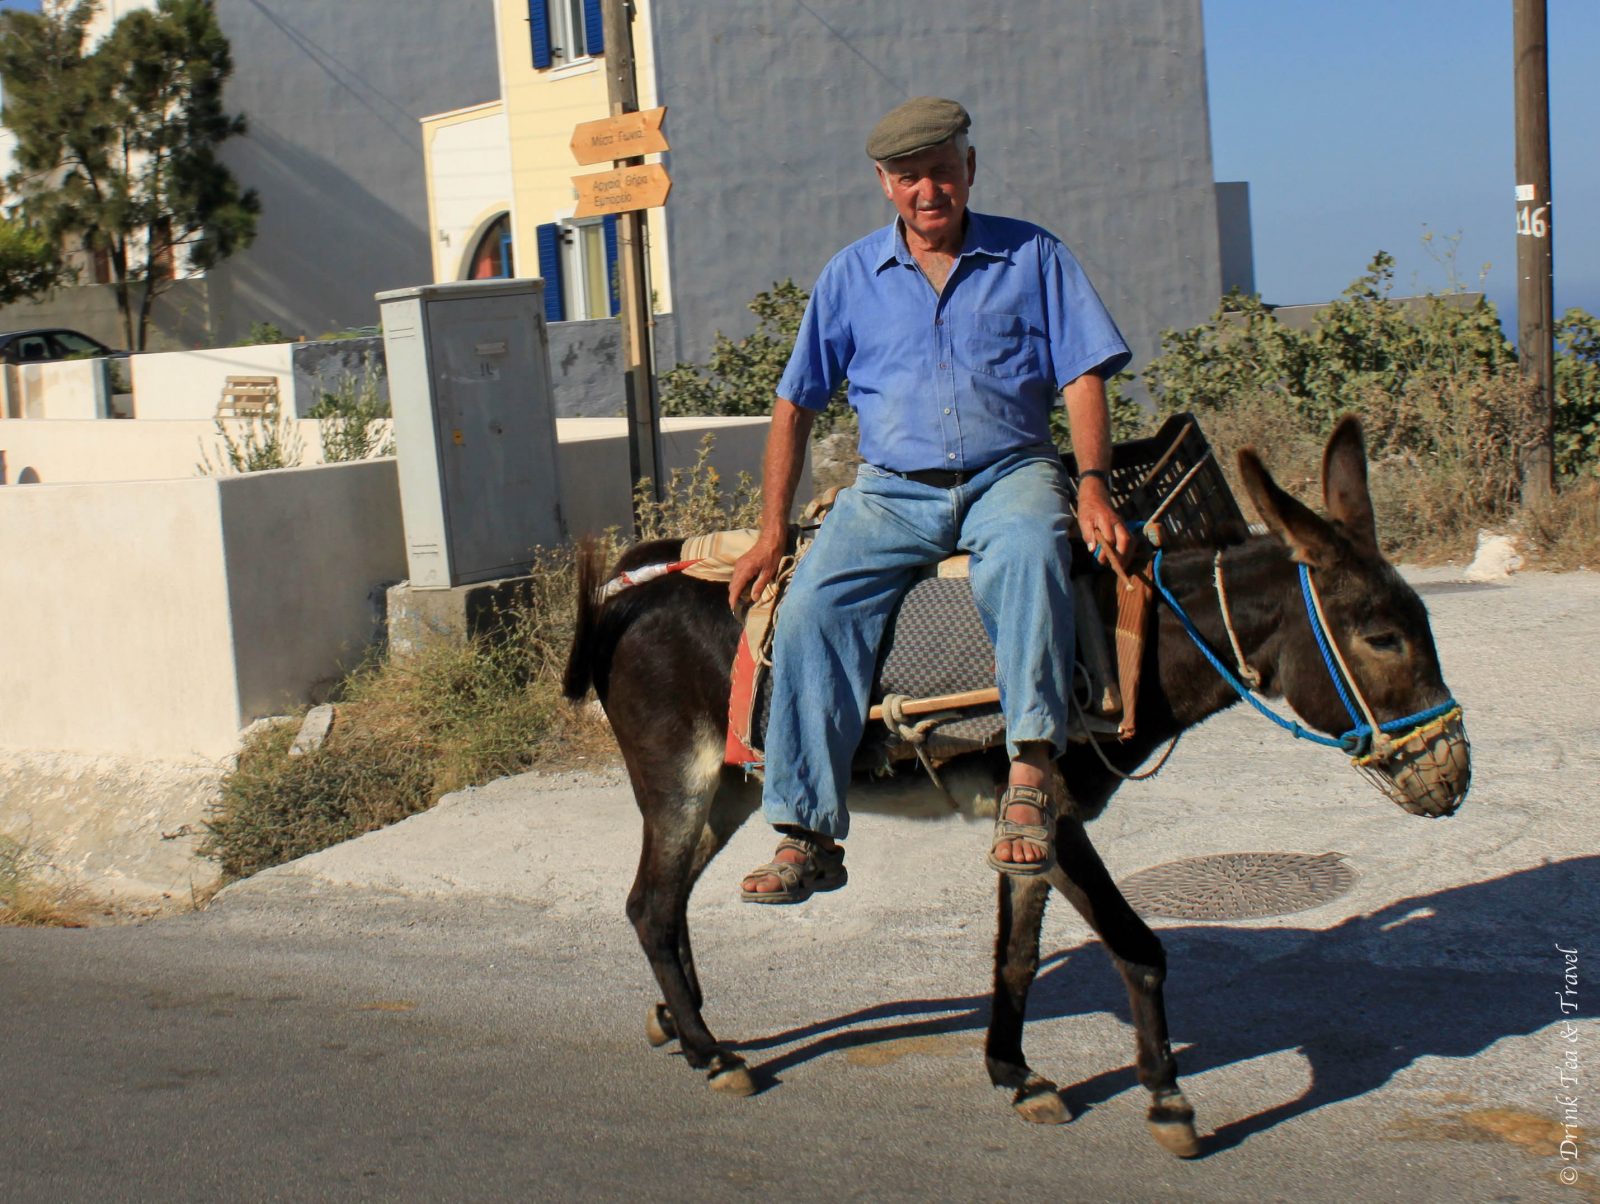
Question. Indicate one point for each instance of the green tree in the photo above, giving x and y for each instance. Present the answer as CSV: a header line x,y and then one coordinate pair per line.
x,y
117,147
1577,409
28,262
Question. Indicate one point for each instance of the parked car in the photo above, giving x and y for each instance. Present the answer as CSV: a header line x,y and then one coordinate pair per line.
x,y
50,343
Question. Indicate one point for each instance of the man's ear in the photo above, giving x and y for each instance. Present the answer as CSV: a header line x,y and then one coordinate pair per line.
x,y
1309,538
883,182
1344,485
972,165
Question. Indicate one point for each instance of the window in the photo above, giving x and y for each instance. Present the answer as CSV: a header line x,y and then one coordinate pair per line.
x,y
70,343
32,348
492,258
585,268
578,262
564,31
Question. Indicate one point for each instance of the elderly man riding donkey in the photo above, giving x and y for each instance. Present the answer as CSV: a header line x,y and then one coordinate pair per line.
x,y
957,331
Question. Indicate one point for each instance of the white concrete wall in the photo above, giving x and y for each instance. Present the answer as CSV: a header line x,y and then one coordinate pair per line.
x,y
155,619
189,384
62,389
69,452
593,464
309,553
114,627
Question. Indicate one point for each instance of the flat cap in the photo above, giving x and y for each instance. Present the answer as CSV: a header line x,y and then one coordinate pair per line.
x,y
920,123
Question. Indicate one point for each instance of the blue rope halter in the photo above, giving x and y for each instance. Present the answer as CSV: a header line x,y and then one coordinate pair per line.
x,y
1357,742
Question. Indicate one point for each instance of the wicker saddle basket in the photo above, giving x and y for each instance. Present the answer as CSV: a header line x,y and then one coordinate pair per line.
x,y
1172,473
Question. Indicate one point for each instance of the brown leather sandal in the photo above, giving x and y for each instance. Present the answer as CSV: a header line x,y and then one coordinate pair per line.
x,y
1042,835
822,870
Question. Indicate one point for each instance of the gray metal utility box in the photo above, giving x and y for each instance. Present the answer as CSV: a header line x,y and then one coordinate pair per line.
x,y
474,428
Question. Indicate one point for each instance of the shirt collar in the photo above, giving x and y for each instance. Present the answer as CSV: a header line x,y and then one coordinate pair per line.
x,y
979,241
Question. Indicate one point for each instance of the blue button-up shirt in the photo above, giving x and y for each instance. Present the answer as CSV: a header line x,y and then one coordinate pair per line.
x,y
955,379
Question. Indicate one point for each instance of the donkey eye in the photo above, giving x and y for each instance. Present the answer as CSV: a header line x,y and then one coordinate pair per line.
x,y
1385,641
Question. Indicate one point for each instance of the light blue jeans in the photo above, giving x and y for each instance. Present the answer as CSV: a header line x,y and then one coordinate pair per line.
x,y
1013,518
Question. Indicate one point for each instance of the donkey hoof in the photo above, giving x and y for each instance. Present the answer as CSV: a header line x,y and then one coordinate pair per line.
x,y
1171,1121
1038,1102
730,1076
658,1026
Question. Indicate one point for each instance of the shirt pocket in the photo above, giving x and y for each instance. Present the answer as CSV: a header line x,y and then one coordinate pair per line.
x,y
998,345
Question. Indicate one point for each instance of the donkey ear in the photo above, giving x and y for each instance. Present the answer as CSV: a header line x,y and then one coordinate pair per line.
x,y
1310,538
1344,485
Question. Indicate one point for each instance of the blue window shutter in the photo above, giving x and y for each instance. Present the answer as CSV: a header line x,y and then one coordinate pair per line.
x,y
612,283
549,237
539,31
594,38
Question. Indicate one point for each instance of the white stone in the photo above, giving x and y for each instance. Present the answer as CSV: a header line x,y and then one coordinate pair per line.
x,y
318,722
1495,560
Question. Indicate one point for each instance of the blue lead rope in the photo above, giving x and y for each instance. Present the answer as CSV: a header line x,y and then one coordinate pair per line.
x,y
1358,740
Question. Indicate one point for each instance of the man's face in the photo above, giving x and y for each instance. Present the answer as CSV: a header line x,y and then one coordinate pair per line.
x,y
929,189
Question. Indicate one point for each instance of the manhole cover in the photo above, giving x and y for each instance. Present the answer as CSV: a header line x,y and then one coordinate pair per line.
x,y
1239,886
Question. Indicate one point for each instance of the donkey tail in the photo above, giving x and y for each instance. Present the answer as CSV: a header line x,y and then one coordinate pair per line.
x,y
580,660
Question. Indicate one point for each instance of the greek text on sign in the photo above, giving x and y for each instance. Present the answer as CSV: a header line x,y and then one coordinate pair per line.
x,y
621,137
623,189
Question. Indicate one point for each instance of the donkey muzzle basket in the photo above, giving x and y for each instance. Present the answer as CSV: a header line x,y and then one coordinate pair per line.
x,y
1426,769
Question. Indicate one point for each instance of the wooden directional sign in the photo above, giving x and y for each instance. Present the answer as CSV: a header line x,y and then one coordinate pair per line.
x,y
623,189
621,137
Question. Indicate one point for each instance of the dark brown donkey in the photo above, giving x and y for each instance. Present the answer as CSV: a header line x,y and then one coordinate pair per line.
x,y
658,655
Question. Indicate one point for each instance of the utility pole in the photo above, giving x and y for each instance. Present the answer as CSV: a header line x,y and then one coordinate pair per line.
x,y
1535,289
644,436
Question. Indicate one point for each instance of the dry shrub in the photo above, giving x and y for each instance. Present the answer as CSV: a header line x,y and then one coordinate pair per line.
x,y
33,894
1444,455
448,714
695,502
1564,533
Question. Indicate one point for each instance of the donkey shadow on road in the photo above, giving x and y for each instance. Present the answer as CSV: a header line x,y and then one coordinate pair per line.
x,y
1445,975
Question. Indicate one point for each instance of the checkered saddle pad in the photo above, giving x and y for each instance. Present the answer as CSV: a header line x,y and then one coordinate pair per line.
x,y
936,645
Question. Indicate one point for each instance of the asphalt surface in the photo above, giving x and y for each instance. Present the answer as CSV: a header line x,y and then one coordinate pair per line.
x,y
453,1008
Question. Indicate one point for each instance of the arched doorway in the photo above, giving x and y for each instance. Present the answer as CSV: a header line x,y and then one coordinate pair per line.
x,y
492,258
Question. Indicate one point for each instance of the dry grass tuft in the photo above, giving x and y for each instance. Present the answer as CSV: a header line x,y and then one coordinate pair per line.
x,y
33,894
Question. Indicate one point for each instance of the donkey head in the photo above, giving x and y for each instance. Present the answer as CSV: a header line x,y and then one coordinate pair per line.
x,y
1377,625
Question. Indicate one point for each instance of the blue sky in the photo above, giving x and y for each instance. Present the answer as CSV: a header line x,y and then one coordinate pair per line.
x,y
1362,124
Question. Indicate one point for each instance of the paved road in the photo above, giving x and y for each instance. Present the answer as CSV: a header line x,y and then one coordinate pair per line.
x,y
452,1008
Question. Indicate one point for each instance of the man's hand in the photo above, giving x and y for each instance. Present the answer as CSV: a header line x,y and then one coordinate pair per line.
x,y
780,474
754,571
1099,523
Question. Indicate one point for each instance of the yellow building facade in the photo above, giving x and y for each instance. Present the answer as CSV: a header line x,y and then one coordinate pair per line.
x,y
500,195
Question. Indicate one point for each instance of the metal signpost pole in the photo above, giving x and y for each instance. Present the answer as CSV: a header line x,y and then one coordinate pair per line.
x,y
644,438
1535,291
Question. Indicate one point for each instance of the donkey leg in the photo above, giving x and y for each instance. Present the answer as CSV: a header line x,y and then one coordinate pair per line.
x,y
1136,952
1016,962
735,802
683,830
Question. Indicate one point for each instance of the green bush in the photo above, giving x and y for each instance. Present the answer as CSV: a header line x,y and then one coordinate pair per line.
x,y
1446,410
1577,408
741,377
262,333
352,417
260,444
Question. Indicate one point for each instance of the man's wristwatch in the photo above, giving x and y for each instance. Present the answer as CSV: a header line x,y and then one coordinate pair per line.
x,y
1105,477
